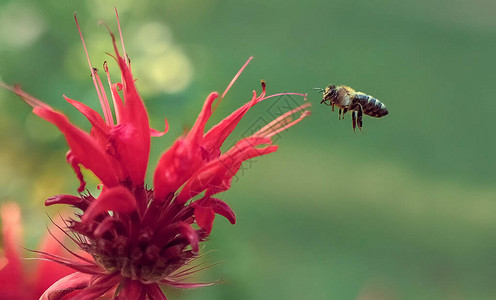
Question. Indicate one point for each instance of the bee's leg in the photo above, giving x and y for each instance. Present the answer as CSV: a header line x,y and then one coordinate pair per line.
x,y
353,120
339,114
359,117
344,111
332,105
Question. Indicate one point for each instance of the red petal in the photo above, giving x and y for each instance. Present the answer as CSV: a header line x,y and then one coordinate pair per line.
x,y
66,199
118,105
187,231
133,144
104,226
216,136
165,180
154,292
216,176
221,208
99,130
118,199
204,218
208,177
184,157
196,132
132,289
132,151
66,285
74,162
93,117
175,167
11,275
98,287
82,145
156,133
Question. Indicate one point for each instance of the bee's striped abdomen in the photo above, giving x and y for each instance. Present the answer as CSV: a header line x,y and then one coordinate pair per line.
x,y
371,106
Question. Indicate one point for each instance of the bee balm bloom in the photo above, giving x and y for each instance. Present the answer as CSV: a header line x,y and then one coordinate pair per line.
x,y
25,281
141,238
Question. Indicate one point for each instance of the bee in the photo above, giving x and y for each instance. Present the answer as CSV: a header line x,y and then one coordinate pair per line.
x,y
347,99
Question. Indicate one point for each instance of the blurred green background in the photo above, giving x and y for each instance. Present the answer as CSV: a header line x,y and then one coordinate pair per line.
x,y
404,210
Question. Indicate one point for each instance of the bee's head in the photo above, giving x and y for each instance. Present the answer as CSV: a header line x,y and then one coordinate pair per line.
x,y
330,88
330,93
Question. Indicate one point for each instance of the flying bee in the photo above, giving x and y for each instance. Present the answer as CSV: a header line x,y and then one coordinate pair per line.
x,y
347,99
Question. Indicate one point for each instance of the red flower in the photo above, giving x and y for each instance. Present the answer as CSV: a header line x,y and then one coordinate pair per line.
x,y
142,238
15,280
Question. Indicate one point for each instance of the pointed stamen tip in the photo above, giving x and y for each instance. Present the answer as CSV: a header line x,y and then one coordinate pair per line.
x,y
102,22
105,67
77,25
111,55
236,76
94,71
263,84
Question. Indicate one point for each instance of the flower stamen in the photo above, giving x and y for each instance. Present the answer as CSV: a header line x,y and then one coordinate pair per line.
x,y
231,83
283,122
122,40
96,80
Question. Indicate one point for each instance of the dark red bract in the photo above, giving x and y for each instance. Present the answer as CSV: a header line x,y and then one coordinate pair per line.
x,y
141,238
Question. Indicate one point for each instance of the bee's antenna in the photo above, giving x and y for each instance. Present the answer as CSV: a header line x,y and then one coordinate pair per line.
x,y
320,90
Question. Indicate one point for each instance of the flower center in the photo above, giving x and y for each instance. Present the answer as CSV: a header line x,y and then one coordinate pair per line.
x,y
146,262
